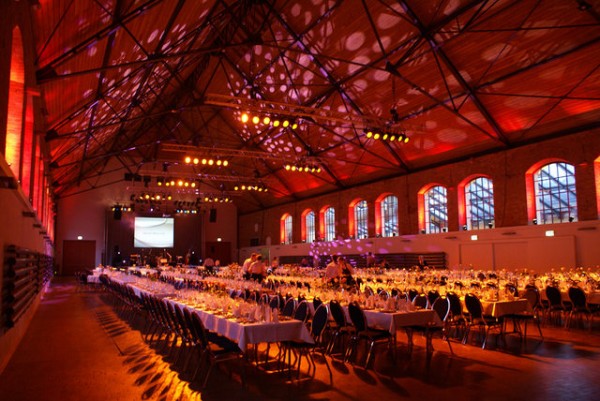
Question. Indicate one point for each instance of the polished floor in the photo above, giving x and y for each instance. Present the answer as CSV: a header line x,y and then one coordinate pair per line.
x,y
78,348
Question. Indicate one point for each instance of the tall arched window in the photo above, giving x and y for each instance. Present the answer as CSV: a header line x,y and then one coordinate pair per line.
x,y
16,93
479,203
555,195
389,216
286,229
308,226
436,209
358,226
329,223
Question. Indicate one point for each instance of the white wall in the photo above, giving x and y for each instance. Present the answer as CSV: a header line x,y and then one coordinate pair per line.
x,y
574,244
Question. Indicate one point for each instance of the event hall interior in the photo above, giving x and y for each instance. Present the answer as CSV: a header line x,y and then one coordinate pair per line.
x,y
336,199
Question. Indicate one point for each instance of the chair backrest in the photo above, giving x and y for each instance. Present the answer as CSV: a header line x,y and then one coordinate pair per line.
x,y
357,316
512,289
290,306
473,305
368,291
432,296
577,297
441,306
301,312
317,302
456,307
412,293
274,302
532,295
553,295
420,301
199,331
337,312
319,321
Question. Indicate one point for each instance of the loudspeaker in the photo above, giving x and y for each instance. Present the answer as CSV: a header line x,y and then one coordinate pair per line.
x,y
253,241
117,214
212,217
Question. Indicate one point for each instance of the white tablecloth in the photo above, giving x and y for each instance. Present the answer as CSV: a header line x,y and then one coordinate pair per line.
x,y
396,320
245,334
501,308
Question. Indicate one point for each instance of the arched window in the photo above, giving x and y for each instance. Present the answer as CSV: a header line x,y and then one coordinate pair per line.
x,y
435,204
358,226
555,195
328,220
308,226
479,203
389,216
286,229
16,93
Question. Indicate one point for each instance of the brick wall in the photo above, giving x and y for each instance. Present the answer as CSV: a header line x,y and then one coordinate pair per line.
x,y
507,170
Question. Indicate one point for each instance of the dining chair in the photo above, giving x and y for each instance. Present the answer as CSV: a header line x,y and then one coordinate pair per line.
x,y
579,308
308,349
340,328
371,335
556,307
479,321
217,350
532,314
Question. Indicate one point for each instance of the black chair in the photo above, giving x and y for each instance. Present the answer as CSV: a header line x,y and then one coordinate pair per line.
x,y
340,328
431,298
420,301
289,307
219,350
301,312
480,321
556,308
369,334
457,321
412,293
579,308
441,306
301,348
316,303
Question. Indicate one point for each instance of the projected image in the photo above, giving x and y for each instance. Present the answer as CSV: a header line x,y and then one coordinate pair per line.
x,y
153,232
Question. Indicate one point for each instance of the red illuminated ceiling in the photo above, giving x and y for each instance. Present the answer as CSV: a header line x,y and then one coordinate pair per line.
x,y
122,77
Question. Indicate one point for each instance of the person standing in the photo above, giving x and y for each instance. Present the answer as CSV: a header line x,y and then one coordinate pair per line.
x,y
333,271
258,269
246,266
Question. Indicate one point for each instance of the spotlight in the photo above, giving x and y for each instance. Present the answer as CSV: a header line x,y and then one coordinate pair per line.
x,y
571,219
244,118
255,120
187,160
534,221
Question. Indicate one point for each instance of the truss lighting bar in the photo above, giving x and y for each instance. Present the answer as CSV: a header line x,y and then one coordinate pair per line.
x,y
264,106
231,153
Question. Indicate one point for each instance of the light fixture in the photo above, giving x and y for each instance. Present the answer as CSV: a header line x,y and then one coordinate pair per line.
x,y
474,237
303,167
388,135
250,187
270,119
210,161
549,233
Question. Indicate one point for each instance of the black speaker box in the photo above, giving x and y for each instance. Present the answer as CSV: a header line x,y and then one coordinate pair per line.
x,y
117,214
212,217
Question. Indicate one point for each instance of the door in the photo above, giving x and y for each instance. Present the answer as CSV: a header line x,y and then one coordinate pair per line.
x,y
78,255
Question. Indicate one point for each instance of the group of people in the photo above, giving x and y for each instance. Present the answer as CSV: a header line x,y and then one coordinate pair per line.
x,y
339,271
254,268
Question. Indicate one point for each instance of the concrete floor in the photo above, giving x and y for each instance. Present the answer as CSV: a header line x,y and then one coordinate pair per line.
x,y
78,348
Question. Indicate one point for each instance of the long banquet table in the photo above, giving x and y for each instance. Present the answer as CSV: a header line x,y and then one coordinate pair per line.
x,y
246,333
